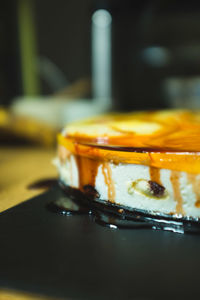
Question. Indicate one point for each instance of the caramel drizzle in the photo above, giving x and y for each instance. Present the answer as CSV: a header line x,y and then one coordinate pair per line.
x,y
175,177
87,171
192,178
154,174
107,173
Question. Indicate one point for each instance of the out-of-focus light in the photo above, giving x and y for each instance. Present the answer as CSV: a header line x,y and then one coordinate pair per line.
x,y
101,57
156,56
102,18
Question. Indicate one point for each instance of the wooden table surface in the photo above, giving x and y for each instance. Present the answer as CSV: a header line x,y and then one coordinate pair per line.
x,y
19,167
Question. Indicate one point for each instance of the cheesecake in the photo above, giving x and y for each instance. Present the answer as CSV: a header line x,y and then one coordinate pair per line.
x,y
140,161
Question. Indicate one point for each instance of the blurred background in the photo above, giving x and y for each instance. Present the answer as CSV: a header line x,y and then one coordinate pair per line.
x,y
66,60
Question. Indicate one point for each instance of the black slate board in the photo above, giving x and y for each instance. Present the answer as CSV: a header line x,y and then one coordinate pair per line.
x,y
74,257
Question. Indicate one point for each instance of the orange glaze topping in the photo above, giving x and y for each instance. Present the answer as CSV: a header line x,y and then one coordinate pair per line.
x,y
161,139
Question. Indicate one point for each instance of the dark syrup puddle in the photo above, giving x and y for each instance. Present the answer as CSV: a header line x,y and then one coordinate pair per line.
x,y
42,184
76,203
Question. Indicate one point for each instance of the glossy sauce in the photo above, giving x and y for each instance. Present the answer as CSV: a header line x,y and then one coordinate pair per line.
x,y
114,216
87,171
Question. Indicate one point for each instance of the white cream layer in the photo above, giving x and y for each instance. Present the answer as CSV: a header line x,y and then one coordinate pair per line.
x,y
132,189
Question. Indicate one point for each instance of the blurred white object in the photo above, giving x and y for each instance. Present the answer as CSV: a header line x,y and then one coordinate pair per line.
x,y
55,111
58,112
45,109
51,74
101,57
80,109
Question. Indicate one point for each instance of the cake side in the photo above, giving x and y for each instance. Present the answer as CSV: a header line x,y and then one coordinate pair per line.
x,y
148,161
133,186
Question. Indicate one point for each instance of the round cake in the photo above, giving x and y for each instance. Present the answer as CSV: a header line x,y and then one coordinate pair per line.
x,y
148,161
